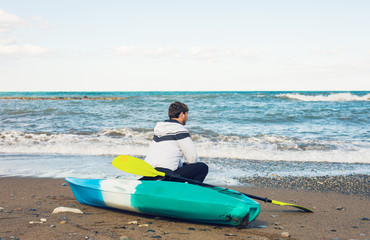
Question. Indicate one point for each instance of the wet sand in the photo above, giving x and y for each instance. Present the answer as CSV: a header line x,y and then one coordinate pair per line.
x,y
336,215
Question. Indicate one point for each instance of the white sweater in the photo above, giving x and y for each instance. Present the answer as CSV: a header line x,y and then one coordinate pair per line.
x,y
170,143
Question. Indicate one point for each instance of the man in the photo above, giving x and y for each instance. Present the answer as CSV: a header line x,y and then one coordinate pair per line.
x,y
171,142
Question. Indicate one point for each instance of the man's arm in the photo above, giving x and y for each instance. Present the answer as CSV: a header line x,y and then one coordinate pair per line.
x,y
188,149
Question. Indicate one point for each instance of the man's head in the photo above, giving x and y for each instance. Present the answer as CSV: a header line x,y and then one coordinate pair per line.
x,y
178,111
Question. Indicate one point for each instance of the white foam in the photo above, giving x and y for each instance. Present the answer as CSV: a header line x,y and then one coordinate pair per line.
x,y
334,97
130,142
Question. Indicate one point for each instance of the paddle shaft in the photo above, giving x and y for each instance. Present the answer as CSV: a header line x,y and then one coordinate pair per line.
x,y
172,176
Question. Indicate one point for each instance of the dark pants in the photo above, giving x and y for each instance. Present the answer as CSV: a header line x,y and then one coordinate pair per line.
x,y
195,171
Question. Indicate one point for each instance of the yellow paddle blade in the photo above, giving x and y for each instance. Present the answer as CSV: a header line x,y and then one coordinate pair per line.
x,y
135,166
292,205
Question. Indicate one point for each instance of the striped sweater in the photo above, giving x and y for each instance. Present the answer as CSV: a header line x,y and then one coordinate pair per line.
x,y
171,142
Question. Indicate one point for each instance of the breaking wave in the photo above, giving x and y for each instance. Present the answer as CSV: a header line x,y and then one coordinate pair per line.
x,y
136,141
333,97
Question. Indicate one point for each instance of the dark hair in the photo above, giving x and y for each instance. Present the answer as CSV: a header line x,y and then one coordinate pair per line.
x,y
176,109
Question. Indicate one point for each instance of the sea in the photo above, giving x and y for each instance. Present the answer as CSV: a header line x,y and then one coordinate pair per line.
x,y
238,134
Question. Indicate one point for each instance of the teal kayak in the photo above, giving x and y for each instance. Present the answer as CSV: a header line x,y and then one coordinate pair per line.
x,y
214,205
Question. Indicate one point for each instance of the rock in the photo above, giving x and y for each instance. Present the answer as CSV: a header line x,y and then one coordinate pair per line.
x,y
32,210
341,208
192,229
365,219
66,209
64,184
279,227
63,222
124,238
261,226
43,220
157,236
132,222
52,226
143,225
230,234
285,234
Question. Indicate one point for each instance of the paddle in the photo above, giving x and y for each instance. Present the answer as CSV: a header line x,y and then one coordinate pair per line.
x,y
139,167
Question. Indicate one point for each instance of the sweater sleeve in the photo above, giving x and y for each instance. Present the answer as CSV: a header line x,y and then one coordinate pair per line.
x,y
187,148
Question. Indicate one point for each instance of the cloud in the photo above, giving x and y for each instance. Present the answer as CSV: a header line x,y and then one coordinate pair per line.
x,y
9,46
25,50
158,52
9,21
40,22
334,50
192,52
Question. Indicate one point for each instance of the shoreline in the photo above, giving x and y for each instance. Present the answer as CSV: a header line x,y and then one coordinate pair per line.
x,y
352,184
24,200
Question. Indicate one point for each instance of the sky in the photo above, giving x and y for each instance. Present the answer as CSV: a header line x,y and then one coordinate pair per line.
x,y
193,45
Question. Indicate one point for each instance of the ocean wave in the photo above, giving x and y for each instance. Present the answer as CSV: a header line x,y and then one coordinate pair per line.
x,y
136,142
333,97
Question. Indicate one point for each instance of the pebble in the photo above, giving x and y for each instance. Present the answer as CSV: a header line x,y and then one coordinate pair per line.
x,y
52,226
124,238
32,209
62,222
230,234
132,222
43,219
64,184
143,225
157,236
261,226
66,209
285,234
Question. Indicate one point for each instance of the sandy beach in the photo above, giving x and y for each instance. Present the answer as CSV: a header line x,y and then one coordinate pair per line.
x,y
27,204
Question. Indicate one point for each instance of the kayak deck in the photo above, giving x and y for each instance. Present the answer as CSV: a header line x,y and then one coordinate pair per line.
x,y
170,199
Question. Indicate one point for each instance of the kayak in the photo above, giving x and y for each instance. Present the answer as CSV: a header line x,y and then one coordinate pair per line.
x,y
214,205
